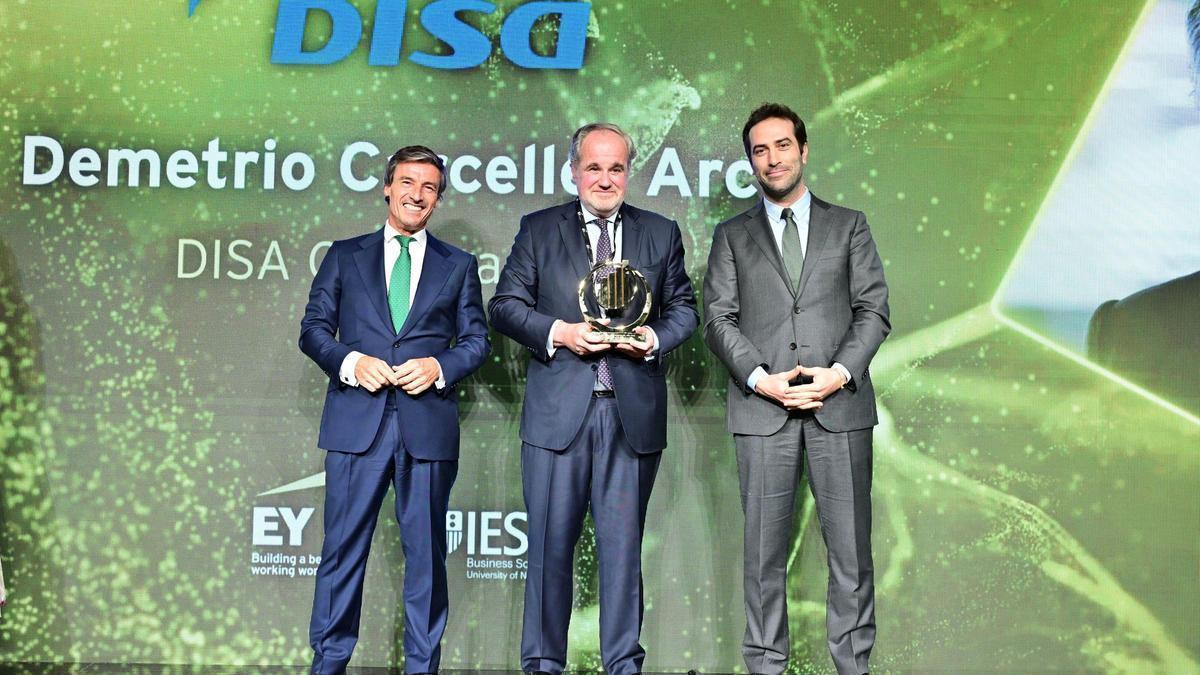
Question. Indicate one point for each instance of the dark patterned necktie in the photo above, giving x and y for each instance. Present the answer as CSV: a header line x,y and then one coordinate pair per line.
x,y
604,251
793,252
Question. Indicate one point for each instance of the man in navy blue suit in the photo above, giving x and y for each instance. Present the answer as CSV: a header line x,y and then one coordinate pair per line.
x,y
395,317
594,420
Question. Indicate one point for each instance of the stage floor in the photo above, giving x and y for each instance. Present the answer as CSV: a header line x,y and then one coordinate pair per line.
x,y
143,669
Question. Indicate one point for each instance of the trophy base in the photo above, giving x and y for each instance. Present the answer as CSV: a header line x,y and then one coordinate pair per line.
x,y
617,337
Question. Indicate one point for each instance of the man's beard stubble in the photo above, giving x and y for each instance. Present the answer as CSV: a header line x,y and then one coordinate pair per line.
x,y
780,194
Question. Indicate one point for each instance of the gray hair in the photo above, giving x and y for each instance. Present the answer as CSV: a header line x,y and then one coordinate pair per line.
x,y
583,131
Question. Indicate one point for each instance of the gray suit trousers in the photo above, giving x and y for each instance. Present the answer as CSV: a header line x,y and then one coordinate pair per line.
x,y
839,470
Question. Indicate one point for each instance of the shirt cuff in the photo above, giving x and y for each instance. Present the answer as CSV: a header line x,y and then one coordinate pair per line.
x,y
842,369
550,348
755,376
653,344
440,382
346,372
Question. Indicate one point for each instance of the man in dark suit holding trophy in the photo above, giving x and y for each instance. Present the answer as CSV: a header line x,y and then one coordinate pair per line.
x,y
593,424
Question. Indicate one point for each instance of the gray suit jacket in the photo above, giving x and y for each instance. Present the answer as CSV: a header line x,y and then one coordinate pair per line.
x,y
753,317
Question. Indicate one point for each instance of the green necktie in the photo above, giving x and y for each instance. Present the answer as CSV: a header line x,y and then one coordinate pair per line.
x,y
401,281
793,252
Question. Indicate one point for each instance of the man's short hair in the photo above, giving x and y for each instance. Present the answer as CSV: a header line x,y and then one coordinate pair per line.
x,y
767,111
418,154
582,133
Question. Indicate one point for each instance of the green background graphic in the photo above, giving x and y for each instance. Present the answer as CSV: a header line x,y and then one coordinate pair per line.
x,y
1033,510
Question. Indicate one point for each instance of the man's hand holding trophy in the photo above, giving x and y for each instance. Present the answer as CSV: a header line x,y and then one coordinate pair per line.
x,y
615,301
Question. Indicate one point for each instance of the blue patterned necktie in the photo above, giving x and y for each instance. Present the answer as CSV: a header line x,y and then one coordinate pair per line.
x,y
398,290
604,251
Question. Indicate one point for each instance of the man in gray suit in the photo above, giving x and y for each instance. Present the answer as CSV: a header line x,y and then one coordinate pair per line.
x,y
796,306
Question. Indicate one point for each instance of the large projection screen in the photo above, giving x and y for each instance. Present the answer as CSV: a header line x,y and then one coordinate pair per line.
x,y
172,173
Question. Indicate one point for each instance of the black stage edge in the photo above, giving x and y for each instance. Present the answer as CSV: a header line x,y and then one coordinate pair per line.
x,y
161,669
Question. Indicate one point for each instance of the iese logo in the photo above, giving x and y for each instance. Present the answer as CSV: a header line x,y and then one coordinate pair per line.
x,y
440,18
486,532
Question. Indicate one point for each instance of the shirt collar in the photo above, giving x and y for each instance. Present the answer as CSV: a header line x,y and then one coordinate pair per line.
x,y
801,205
588,216
390,233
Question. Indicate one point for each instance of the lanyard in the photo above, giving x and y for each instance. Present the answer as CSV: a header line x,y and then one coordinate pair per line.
x,y
587,240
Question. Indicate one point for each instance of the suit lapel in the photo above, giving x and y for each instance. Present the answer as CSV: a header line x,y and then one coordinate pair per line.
x,y
572,236
369,260
818,231
760,232
435,271
631,237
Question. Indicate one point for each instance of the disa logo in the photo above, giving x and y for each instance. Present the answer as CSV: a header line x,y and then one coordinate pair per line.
x,y
440,18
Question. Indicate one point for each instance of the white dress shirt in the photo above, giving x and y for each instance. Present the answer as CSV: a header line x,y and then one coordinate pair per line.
x,y
801,209
391,251
416,252
593,232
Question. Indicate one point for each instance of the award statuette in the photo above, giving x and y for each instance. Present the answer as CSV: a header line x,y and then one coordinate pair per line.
x,y
614,299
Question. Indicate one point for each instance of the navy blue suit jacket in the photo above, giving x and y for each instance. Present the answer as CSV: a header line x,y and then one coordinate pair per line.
x,y
348,311
540,283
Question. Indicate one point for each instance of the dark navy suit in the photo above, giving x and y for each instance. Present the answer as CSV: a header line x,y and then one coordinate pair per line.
x,y
388,436
580,449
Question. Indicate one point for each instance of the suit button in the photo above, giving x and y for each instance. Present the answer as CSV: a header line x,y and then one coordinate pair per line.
x,y
799,311
792,346
397,343
595,367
